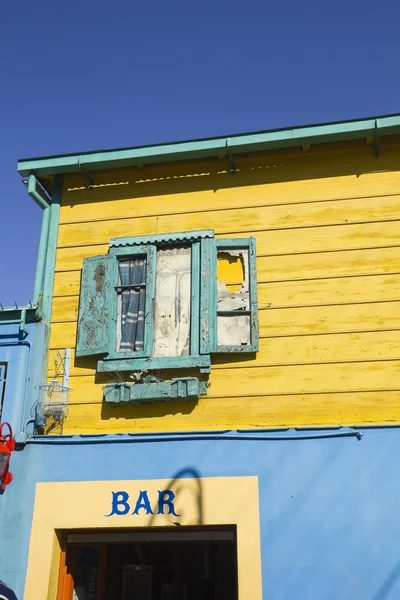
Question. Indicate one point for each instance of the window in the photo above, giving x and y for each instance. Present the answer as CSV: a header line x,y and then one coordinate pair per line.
x,y
154,562
168,301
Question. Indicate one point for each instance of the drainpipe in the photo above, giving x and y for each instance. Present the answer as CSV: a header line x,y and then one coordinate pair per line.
x,y
44,234
51,248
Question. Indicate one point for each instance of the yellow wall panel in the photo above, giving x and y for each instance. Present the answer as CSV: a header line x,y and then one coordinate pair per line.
x,y
259,181
274,380
289,268
283,322
293,350
342,290
326,224
306,293
361,408
226,222
271,243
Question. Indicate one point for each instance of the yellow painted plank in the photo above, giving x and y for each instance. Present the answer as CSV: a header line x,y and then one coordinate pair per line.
x,y
296,379
205,185
289,268
286,241
287,321
375,345
233,221
356,289
311,293
356,408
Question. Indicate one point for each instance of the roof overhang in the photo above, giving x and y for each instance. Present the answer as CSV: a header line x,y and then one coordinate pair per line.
x,y
235,144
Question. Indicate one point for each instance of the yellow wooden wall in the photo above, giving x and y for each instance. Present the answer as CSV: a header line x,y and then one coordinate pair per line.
x,y
328,256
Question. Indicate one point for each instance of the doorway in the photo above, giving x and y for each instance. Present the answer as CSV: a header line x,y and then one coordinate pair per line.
x,y
179,563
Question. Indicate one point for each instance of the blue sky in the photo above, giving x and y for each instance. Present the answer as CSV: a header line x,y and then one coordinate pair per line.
x,y
85,75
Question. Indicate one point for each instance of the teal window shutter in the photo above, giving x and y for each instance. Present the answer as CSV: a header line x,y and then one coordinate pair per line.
x,y
207,292
233,308
97,297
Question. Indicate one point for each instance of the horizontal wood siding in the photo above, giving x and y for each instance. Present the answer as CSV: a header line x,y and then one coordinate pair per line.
x,y
328,258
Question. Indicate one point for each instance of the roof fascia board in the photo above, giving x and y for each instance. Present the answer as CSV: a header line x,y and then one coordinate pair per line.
x,y
256,142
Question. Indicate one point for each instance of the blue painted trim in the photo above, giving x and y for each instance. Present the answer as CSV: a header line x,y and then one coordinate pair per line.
x,y
251,434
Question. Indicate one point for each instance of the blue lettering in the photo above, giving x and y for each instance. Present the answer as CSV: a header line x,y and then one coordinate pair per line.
x,y
165,498
143,502
119,499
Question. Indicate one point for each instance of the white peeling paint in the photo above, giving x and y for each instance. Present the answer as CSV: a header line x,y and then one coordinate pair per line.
x,y
172,302
234,330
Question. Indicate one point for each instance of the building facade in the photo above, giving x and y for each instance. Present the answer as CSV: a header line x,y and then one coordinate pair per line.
x,y
222,318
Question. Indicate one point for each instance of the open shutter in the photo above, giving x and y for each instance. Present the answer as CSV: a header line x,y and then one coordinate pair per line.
x,y
233,301
96,300
207,276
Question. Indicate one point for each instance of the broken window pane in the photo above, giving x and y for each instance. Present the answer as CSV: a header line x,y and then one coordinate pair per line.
x,y
172,302
233,298
233,330
131,304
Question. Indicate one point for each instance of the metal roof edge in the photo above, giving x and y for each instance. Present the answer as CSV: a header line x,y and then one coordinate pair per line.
x,y
248,142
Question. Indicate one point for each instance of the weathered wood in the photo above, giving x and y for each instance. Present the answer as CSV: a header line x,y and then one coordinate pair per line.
x,y
291,350
271,243
231,221
263,180
291,268
318,410
317,294
97,285
312,379
326,224
347,318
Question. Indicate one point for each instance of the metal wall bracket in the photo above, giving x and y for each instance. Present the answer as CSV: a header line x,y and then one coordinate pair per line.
x,y
89,178
376,140
231,161
23,331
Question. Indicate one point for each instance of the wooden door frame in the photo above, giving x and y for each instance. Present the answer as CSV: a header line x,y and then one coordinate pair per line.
x,y
67,567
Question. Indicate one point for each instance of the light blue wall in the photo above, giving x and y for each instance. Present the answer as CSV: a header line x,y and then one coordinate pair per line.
x,y
330,521
24,359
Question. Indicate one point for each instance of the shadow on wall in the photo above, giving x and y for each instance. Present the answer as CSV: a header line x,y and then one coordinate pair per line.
x,y
187,488
292,164
392,581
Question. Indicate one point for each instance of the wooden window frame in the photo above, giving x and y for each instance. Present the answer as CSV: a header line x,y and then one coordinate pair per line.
x,y
203,334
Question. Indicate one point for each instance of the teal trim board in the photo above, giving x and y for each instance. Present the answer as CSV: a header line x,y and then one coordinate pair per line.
x,y
182,388
51,249
233,144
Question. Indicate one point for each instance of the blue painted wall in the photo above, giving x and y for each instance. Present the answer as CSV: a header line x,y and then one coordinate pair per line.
x,y
24,358
329,513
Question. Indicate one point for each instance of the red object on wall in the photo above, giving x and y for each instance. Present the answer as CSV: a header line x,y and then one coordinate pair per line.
x,y
7,445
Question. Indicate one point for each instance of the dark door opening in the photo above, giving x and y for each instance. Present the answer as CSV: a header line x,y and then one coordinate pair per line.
x,y
155,564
